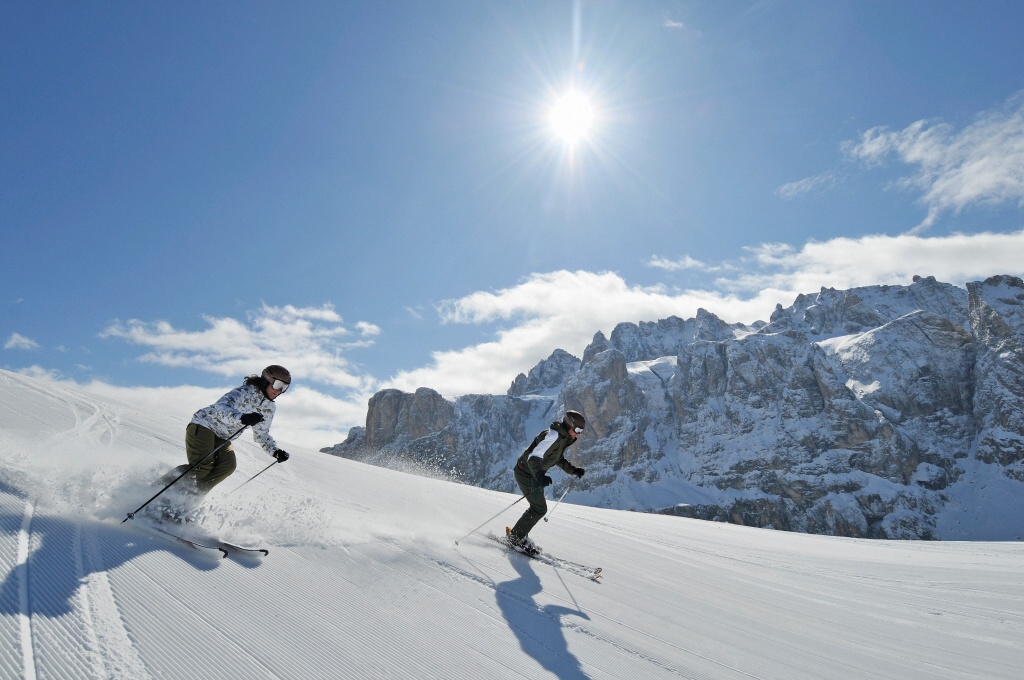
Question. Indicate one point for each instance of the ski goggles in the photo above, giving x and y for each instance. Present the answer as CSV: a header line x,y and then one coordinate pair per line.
x,y
280,385
577,430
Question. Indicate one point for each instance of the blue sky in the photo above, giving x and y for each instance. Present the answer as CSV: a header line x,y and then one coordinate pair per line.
x,y
371,193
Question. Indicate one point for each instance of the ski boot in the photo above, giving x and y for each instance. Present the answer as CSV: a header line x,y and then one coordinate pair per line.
x,y
521,543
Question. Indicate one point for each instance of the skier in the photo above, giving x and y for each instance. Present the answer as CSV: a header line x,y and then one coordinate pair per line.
x,y
251,404
547,450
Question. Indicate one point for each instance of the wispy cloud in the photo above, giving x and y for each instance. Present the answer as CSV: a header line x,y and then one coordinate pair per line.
x,y
683,263
681,27
19,341
981,164
368,330
310,341
807,185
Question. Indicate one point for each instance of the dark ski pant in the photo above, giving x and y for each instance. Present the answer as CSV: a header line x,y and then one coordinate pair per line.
x,y
199,441
535,496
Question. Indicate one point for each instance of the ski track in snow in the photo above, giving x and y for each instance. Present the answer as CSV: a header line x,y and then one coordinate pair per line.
x,y
28,661
60,637
364,580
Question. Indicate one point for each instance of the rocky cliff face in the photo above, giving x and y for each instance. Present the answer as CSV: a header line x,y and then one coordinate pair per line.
x,y
884,411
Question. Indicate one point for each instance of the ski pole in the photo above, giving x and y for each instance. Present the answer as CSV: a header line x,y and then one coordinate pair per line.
x,y
560,499
131,515
479,527
253,477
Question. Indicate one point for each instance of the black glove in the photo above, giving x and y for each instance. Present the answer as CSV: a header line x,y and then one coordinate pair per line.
x,y
545,481
251,418
579,472
281,455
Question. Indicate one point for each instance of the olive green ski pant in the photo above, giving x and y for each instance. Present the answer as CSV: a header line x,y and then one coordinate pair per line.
x,y
199,441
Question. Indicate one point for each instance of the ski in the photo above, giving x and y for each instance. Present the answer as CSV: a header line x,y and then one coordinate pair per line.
x,y
592,573
209,544
231,547
198,545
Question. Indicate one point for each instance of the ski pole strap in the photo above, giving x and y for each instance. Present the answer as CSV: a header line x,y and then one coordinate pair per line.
x,y
131,515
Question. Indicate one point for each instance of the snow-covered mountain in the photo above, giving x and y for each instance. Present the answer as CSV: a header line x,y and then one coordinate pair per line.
x,y
882,412
364,579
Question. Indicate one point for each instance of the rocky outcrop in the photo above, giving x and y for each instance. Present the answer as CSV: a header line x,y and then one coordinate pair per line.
x,y
872,412
549,374
997,316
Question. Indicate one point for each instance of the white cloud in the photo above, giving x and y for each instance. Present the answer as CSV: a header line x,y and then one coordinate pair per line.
x,y
368,329
982,164
289,313
309,341
685,262
19,341
555,310
880,259
36,371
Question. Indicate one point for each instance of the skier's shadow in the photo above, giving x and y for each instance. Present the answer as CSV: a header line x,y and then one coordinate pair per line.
x,y
538,628
63,553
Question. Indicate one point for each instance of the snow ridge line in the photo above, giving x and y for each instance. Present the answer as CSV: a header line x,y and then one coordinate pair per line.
x,y
25,613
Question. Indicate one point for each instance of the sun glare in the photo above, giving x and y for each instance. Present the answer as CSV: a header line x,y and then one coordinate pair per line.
x,y
572,117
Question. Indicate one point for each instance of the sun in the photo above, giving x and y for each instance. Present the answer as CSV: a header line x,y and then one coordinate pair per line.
x,y
572,117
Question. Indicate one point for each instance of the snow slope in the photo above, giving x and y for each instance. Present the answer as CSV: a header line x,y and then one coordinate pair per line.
x,y
364,579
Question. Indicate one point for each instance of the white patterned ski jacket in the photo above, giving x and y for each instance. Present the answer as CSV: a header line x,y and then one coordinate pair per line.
x,y
224,417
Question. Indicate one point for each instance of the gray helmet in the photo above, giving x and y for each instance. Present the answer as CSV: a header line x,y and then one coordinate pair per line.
x,y
574,419
275,372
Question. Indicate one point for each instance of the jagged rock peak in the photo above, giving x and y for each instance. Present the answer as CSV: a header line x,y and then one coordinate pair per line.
x,y
833,312
650,340
548,374
1005,280
597,345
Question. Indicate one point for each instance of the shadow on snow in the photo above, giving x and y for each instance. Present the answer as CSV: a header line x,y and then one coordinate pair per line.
x,y
64,551
538,628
